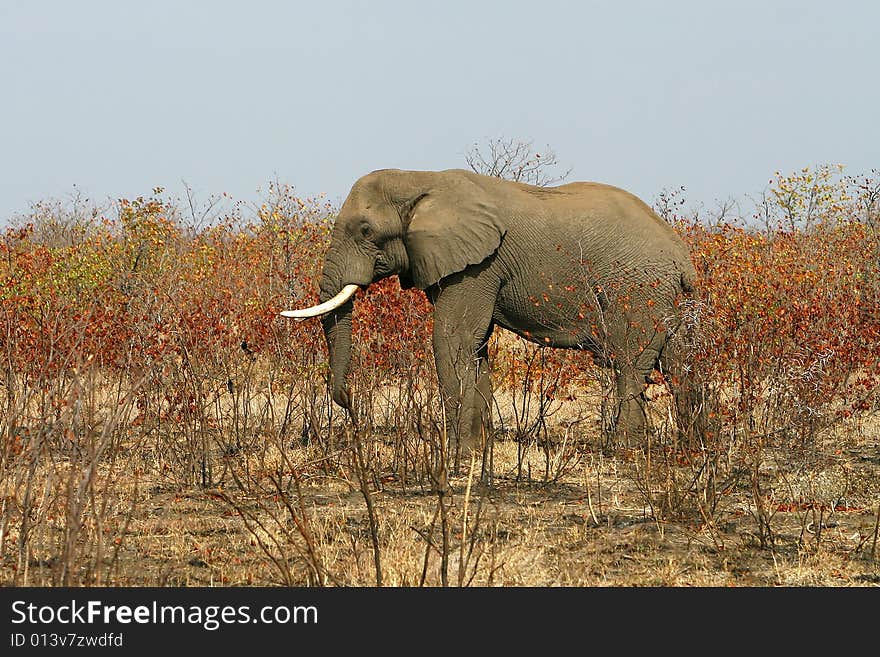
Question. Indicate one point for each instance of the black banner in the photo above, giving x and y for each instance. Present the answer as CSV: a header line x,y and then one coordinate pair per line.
x,y
396,619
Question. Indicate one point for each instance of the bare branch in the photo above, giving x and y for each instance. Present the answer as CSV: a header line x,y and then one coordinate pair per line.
x,y
516,159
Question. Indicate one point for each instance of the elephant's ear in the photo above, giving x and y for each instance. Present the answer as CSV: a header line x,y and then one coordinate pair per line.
x,y
449,229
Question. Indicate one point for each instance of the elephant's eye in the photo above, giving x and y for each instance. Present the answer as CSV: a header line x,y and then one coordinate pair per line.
x,y
366,230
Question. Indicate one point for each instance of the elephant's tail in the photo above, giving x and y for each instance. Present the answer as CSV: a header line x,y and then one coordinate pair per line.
x,y
688,282
681,361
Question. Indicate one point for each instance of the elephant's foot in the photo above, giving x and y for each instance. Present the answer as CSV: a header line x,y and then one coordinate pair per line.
x,y
468,451
461,452
468,438
630,428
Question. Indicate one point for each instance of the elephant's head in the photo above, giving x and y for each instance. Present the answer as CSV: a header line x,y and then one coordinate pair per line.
x,y
422,226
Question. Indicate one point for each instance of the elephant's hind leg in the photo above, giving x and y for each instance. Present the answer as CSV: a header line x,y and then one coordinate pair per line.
x,y
631,419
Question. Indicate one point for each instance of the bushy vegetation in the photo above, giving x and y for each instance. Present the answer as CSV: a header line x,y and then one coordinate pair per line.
x,y
142,353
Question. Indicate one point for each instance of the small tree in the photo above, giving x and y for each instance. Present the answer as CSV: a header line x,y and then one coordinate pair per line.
x,y
866,196
516,159
801,199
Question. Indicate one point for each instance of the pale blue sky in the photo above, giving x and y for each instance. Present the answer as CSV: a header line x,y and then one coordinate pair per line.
x,y
113,98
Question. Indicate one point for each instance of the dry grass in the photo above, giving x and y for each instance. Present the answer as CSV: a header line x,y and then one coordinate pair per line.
x,y
279,512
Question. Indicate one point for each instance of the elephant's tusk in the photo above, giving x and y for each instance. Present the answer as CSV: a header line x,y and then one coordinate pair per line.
x,y
322,308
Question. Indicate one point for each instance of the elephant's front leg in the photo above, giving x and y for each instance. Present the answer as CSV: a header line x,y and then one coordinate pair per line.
x,y
466,389
462,326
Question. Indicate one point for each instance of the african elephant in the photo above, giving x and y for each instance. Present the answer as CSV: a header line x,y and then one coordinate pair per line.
x,y
583,265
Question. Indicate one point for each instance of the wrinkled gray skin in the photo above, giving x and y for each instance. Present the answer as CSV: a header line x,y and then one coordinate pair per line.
x,y
583,265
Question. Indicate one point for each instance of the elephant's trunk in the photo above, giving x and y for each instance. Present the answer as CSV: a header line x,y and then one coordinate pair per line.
x,y
337,331
340,279
337,327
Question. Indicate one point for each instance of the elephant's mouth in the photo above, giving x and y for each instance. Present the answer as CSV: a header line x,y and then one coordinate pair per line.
x,y
382,269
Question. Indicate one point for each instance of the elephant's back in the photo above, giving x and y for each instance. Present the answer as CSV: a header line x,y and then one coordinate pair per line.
x,y
600,222
590,236
593,202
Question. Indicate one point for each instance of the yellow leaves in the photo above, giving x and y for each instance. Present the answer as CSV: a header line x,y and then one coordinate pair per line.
x,y
808,196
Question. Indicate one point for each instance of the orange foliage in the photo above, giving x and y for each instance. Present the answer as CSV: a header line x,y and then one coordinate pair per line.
x,y
139,289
